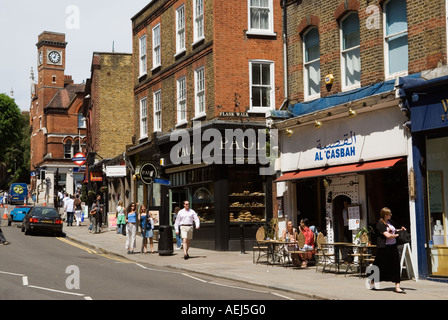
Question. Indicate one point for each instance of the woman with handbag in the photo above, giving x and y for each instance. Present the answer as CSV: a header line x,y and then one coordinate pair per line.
x,y
387,259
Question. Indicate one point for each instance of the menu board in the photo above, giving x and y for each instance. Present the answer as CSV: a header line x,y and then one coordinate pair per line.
x,y
354,216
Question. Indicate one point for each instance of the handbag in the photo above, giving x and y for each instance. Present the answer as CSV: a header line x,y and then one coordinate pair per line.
x,y
403,237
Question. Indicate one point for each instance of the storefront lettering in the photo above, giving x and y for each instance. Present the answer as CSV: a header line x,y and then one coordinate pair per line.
x,y
236,147
338,149
445,108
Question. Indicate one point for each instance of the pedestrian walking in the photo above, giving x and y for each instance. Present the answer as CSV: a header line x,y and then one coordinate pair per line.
x,y
70,209
184,225
146,219
131,228
78,210
95,215
121,218
387,259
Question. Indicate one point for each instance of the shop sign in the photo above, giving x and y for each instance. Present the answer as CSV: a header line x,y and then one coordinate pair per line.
x,y
116,171
367,137
233,146
148,172
96,176
341,148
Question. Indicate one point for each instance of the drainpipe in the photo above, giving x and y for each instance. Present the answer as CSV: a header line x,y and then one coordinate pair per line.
x,y
285,56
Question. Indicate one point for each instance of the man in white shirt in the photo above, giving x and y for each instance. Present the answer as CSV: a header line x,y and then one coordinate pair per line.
x,y
70,209
184,220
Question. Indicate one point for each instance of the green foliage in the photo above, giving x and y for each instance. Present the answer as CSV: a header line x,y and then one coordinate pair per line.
x,y
14,142
11,124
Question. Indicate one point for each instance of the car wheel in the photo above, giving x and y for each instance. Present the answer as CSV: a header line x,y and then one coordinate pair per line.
x,y
9,223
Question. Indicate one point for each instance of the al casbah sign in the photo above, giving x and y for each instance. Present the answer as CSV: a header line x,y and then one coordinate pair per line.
x,y
341,148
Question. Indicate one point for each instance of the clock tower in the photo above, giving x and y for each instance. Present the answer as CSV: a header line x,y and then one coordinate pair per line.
x,y
51,64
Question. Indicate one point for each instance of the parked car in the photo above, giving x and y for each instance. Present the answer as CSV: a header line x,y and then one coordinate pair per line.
x,y
18,214
44,219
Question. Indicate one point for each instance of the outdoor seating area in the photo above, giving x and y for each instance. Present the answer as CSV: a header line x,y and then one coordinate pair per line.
x,y
332,257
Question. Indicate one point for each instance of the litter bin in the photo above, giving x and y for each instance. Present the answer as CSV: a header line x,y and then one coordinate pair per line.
x,y
165,240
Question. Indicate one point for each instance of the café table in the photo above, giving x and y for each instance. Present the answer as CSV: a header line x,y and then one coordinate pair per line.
x,y
276,250
337,251
364,251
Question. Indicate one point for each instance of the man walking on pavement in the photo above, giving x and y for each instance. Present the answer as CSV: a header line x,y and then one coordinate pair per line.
x,y
70,209
184,220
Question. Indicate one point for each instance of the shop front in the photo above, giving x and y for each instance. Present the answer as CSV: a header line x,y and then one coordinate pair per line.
x,y
230,196
427,103
359,162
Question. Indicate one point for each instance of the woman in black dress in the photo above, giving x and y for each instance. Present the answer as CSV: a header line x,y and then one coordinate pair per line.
x,y
387,259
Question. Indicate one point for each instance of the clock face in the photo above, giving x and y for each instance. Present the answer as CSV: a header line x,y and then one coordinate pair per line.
x,y
40,57
54,57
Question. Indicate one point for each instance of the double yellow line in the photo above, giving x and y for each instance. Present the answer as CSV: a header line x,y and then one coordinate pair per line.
x,y
91,251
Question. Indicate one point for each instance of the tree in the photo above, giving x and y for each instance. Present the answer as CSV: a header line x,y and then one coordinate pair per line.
x,y
11,123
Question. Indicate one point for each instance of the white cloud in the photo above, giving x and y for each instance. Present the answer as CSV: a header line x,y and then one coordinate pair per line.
x,y
101,23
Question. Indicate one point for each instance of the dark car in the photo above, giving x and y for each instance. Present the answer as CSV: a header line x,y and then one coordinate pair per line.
x,y
42,219
18,214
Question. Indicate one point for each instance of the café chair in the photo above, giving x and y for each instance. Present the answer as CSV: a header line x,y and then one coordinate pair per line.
x,y
260,248
322,255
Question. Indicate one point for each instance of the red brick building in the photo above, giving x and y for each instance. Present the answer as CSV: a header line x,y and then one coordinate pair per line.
x,y
57,125
219,63
349,136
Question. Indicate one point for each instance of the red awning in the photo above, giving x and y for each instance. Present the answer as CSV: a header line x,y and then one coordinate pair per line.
x,y
356,167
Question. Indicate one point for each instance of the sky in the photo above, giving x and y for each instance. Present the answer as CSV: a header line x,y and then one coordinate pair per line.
x,y
89,26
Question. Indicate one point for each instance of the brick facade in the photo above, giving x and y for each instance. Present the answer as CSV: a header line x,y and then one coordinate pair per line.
x,y
109,110
224,52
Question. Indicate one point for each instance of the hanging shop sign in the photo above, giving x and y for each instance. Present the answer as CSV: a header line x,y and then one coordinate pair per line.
x,y
148,172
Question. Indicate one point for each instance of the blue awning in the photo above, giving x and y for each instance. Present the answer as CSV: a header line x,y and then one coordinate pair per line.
x,y
323,103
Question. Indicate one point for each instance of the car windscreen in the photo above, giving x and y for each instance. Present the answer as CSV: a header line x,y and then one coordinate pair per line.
x,y
45,212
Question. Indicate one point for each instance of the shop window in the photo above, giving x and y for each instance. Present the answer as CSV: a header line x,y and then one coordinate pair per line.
x,y
203,202
246,199
437,181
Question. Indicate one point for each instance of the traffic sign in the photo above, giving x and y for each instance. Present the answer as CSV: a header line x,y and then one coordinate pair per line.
x,y
79,159
162,181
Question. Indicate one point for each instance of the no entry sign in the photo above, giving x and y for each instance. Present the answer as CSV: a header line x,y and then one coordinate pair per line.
x,y
79,159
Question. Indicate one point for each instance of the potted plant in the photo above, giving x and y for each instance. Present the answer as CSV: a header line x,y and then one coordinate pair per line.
x,y
364,230
272,229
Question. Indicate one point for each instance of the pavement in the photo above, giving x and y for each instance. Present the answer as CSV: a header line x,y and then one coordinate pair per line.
x,y
240,267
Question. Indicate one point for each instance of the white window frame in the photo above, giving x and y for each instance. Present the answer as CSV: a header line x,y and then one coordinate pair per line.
x,y
143,118
305,69
343,51
271,85
182,101
157,101
156,47
180,29
198,18
258,31
199,91
388,75
143,62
